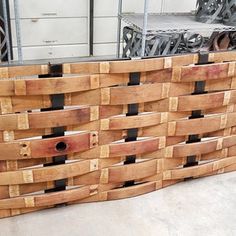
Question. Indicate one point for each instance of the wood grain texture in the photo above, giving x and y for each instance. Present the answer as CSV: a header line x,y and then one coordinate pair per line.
x,y
96,126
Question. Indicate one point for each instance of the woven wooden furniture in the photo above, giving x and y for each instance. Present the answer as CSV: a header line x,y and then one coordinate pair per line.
x,y
97,131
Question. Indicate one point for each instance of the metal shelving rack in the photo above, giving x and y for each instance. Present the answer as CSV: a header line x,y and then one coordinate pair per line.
x,y
164,23
7,30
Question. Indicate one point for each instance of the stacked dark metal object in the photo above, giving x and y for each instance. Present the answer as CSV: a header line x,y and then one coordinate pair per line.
x,y
175,43
216,11
3,42
208,11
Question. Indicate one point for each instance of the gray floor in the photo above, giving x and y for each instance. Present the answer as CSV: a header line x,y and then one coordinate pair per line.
x,y
199,207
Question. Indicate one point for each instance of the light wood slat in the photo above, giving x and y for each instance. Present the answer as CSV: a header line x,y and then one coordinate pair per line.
x,y
191,73
145,65
26,70
128,122
116,66
46,173
47,147
132,172
10,213
91,178
199,170
47,119
199,148
25,163
203,125
133,191
113,96
44,200
59,85
123,149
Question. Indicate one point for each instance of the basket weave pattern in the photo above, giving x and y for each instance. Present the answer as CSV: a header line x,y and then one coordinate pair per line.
x,y
110,130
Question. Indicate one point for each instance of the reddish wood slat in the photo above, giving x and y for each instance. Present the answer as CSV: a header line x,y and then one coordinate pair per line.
x,y
47,147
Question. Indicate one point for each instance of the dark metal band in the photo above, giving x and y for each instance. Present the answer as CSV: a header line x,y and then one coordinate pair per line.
x,y
197,114
132,134
57,103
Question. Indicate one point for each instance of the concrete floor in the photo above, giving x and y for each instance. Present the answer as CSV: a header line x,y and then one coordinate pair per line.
x,y
198,207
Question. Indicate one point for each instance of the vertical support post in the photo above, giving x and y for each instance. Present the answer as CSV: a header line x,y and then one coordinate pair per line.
x,y
7,26
119,28
132,134
91,26
18,31
144,33
57,103
197,114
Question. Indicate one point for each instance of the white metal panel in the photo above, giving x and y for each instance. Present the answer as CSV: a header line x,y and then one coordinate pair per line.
x,y
105,30
179,5
138,6
106,7
52,31
47,52
52,8
105,49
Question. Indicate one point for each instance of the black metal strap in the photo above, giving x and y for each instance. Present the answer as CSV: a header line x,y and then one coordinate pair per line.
x,y
132,134
199,89
57,103
203,57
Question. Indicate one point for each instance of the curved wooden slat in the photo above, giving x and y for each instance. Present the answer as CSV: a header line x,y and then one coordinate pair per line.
x,y
209,72
47,147
26,70
199,170
108,96
132,172
48,119
202,147
129,122
47,173
134,94
116,66
44,200
124,148
206,101
133,191
204,72
58,85
202,125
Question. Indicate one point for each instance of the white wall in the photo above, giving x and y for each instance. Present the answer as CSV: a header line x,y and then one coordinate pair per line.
x,y
59,28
